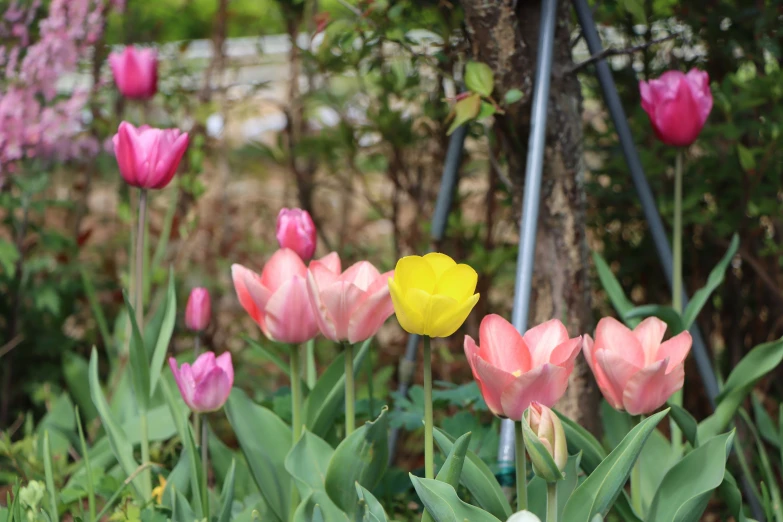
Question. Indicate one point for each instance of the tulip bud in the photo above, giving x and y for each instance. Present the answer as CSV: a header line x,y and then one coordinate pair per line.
x,y
546,431
296,230
523,516
206,385
198,310
135,72
148,158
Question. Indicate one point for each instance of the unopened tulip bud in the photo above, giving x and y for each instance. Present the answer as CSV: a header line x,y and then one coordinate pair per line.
x,y
135,72
198,310
548,429
296,230
523,516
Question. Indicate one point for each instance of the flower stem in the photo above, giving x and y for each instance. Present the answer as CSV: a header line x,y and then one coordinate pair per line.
x,y
196,419
296,395
205,467
521,458
145,455
139,305
429,446
551,502
350,392
636,486
676,433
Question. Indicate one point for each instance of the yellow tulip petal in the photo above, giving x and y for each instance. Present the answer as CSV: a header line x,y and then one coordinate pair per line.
x,y
409,317
439,263
458,282
450,320
414,272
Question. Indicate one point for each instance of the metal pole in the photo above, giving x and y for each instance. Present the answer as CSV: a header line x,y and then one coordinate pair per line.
x,y
531,199
440,218
661,240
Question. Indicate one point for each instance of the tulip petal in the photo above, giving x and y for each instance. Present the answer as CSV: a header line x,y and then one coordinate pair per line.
x,y
361,274
616,374
565,353
544,384
281,268
414,272
675,349
322,316
322,273
242,278
125,152
700,87
611,396
502,345
439,263
332,262
650,334
458,282
369,315
543,339
203,365
410,318
492,381
651,387
289,314
612,335
184,378
212,391
340,299
224,362
471,349
447,315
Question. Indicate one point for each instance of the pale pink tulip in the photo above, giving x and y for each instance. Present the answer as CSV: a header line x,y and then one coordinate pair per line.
x,y
678,105
514,370
148,157
135,72
277,299
350,306
635,371
296,230
198,310
206,385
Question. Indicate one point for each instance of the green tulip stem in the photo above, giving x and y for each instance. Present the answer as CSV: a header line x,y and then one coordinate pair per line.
x,y
519,455
296,395
138,285
196,417
551,502
350,390
429,446
636,480
676,433
205,466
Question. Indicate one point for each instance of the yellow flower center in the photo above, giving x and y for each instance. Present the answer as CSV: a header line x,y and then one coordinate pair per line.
x,y
517,373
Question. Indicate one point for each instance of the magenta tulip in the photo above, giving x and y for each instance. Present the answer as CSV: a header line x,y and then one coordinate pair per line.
x,y
514,370
148,157
277,300
198,310
135,72
678,105
349,306
296,230
206,385
635,371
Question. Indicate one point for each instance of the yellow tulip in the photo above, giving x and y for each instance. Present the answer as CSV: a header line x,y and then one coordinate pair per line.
x,y
432,295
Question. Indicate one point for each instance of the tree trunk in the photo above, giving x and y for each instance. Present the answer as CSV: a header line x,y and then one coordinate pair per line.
x,y
506,38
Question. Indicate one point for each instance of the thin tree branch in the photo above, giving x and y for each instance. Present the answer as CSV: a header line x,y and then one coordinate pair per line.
x,y
618,52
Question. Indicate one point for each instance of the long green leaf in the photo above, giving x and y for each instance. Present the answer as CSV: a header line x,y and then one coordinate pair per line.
x,y
665,313
444,505
227,494
686,422
766,466
451,470
87,467
97,313
269,355
686,489
716,277
370,509
598,492
164,334
47,457
613,289
582,441
139,363
478,479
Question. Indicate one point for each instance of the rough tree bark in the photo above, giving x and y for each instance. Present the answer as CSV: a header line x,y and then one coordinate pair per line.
x,y
504,34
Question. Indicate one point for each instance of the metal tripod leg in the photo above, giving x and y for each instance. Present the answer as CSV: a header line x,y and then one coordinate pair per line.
x,y
440,218
530,203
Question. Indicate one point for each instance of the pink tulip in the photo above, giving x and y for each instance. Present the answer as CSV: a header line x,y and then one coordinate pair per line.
x,y
678,105
205,386
277,299
350,306
296,230
198,310
635,371
148,157
514,370
135,72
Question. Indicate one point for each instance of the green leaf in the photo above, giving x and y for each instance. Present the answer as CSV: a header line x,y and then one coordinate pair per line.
x,y
764,422
465,110
729,492
47,458
139,363
179,478
164,334
9,255
656,459
265,441
361,457
120,446
478,479
451,470
479,78
613,289
198,493
444,505
746,159
582,441
714,280
97,312
636,9
307,462
756,364
369,508
769,473
76,372
686,422
544,465
486,110
598,492
686,489
180,509
536,489
227,494
512,96
665,313
324,404
269,355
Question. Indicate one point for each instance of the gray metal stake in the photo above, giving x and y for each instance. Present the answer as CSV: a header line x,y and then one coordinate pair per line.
x,y
440,218
530,203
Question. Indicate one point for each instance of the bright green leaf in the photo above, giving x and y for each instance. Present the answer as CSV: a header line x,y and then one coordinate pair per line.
x,y
716,277
444,505
479,78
